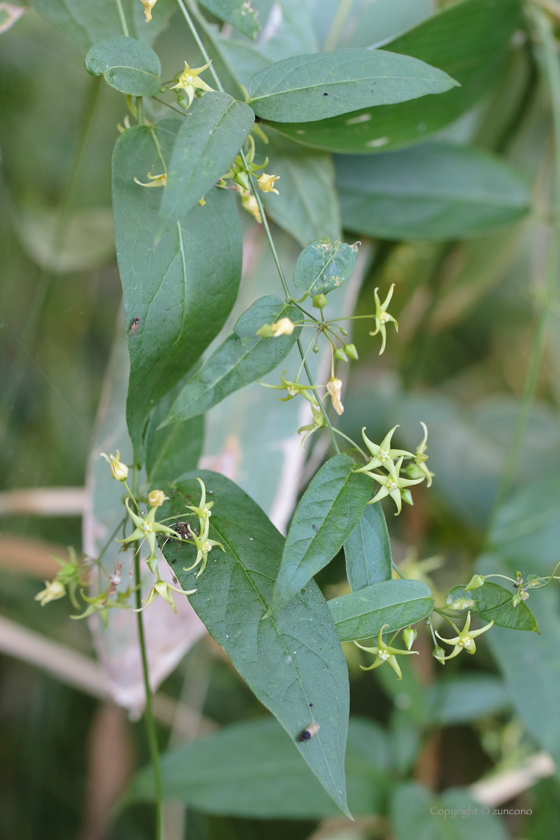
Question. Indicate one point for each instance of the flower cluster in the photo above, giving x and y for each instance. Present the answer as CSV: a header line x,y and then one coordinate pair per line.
x,y
392,482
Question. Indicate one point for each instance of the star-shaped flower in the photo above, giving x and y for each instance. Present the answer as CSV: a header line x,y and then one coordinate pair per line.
x,y
203,510
101,604
382,317
146,529
383,455
465,639
204,546
161,587
293,389
385,653
394,485
189,81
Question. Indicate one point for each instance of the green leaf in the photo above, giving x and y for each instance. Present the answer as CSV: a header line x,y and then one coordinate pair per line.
x,y
465,698
531,669
368,550
323,520
241,359
417,812
322,267
467,40
315,87
126,65
494,603
85,22
307,204
251,769
173,451
290,660
180,290
237,12
398,603
209,139
431,192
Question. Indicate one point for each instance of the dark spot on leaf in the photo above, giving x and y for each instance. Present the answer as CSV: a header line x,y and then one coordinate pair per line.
x,y
325,94
311,704
315,529
134,326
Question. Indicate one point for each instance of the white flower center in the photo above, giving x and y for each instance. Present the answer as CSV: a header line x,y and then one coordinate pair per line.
x,y
146,527
207,547
189,80
392,484
465,641
384,318
383,455
384,655
293,392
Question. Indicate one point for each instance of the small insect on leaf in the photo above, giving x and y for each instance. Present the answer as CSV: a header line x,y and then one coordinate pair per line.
x,y
134,326
309,732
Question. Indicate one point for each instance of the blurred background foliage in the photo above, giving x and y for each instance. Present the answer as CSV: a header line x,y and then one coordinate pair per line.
x,y
467,310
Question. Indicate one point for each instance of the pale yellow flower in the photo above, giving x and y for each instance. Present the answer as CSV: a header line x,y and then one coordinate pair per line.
x,y
157,180
148,6
157,497
266,183
283,327
52,592
334,387
118,469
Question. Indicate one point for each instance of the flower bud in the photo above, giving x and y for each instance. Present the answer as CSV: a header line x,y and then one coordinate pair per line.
x,y
409,635
340,355
118,469
343,331
319,301
350,350
156,498
439,654
266,331
461,604
315,348
475,582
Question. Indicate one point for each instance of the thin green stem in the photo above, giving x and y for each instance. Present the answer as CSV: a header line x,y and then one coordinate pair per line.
x,y
552,73
122,18
148,713
140,110
338,24
353,442
255,191
199,43
48,273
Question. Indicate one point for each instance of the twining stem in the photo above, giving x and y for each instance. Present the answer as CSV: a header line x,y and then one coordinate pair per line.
x,y
120,11
148,713
45,281
255,190
552,73
338,24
